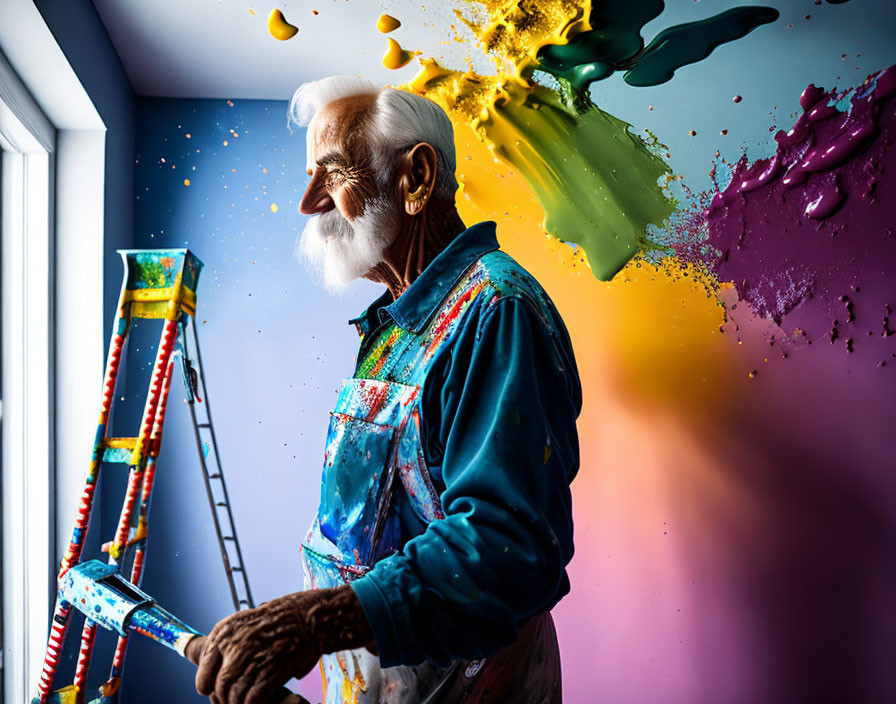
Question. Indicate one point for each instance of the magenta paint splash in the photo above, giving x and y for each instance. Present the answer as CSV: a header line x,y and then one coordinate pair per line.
x,y
808,236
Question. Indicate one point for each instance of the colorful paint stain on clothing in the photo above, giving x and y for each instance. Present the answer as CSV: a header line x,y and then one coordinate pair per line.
x,y
807,235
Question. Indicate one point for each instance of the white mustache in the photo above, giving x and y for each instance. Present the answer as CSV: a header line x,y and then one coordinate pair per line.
x,y
343,250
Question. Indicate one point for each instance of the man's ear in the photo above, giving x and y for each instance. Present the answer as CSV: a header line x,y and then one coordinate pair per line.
x,y
417,177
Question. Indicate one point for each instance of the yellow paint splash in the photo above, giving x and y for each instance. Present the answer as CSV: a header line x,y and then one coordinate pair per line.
x,y
387,23
279,27
396,57
274,207
186,182
596,182
651,335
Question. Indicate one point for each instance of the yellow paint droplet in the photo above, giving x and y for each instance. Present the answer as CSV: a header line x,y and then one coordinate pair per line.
x,y
274,207
187,135
396,57
186,182
224,142
753,374
279,27
251,11
387,23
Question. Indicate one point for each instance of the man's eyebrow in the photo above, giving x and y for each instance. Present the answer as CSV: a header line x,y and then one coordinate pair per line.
x,y
331,158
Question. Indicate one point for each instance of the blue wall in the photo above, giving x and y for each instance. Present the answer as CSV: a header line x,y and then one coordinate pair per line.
x,y
275,346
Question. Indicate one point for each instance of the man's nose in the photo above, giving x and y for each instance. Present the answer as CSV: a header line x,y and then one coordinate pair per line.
x,y
316,199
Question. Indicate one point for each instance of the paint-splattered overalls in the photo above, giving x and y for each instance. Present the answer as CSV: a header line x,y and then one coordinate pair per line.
x,y
374,461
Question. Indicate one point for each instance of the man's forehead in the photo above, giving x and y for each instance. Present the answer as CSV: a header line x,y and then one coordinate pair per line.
x,y
336,126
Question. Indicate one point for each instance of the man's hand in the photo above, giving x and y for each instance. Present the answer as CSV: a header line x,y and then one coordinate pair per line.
x,y
250,655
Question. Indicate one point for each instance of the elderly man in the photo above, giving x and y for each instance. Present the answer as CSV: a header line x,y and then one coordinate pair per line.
x,y
444,525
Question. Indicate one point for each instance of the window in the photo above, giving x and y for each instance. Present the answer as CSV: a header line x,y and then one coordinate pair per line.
x,y
27,140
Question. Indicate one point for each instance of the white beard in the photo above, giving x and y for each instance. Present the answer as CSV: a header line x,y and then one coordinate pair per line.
x,y
345,250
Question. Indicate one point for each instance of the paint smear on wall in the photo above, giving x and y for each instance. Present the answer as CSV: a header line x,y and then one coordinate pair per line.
x,y
599,184
808,236
783,233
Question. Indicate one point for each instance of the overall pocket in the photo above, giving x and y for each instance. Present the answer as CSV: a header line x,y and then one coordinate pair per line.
x,y
356,470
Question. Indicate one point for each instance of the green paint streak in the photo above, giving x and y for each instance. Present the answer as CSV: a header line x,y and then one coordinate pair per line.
x,y
615,43
596,181
692,42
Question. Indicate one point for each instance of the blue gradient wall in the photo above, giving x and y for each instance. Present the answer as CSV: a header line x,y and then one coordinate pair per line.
x,y
275,345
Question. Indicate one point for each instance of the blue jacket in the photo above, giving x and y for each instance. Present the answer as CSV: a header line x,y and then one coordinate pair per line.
x,y
499,395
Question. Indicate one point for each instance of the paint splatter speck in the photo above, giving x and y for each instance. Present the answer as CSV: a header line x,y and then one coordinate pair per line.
x,y
396,57
387,23
224,142
737,98
186,182
279,27
274,207
693,133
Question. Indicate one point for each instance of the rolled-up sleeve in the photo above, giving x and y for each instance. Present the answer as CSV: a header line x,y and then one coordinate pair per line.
x,y
502,417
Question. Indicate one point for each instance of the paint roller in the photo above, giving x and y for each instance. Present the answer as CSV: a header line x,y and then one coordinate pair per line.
x,y
105,597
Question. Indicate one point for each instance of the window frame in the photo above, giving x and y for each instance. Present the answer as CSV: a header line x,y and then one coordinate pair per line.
x,y
27,140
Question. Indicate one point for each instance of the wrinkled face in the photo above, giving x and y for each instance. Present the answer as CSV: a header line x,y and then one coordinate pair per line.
x,y
354,217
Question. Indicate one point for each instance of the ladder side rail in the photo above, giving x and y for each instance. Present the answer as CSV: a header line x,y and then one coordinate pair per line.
x,y
211,427
119,548
142,527
211,503
191,402
142,447
62,610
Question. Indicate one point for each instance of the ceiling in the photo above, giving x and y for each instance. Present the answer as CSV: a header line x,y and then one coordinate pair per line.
x,y
222,48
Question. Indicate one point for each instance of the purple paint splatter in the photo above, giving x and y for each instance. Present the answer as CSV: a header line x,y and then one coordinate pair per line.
x,y
807,236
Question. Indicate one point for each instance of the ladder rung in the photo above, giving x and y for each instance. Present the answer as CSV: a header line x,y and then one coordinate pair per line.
x,y
118,449
120,443
244,601
135,535
236,569
203,425
229,537
216,475
221,503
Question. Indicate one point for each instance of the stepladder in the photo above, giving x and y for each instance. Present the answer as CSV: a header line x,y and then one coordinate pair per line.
x,y
158,285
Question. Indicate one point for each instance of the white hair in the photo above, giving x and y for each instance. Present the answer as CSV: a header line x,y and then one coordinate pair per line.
x,y
344,250
399,121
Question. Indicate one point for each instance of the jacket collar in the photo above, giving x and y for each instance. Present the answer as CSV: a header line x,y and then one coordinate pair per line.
x,y
414,308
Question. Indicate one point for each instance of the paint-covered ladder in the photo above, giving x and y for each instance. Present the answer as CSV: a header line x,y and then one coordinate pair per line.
x,y
158,284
